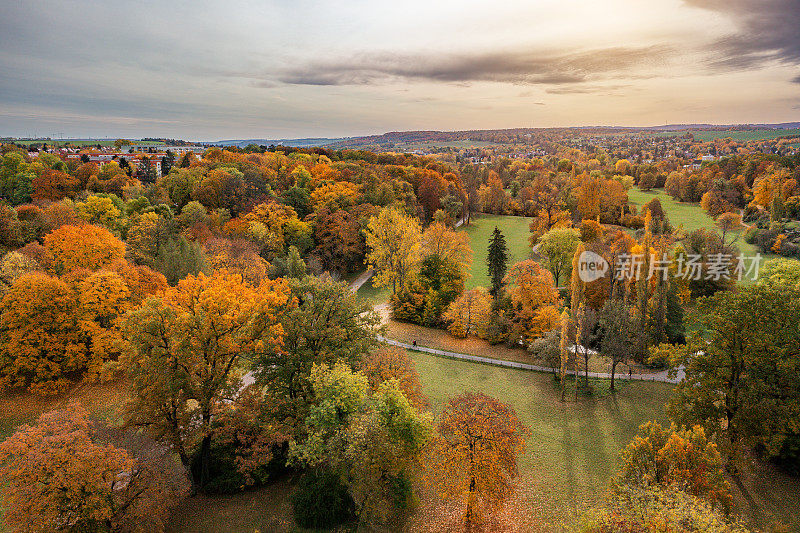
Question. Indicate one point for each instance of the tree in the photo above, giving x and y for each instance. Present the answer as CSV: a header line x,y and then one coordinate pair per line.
x,y
617,333
327,323
534,299
393,239
372,440
41,345
390,362
54,185
741,374
780,271
558,246
473,458
440,240
658,508
84,246
182,355
686,458
178,258
12,266
497,261
340,244
61,476
469,313
729,222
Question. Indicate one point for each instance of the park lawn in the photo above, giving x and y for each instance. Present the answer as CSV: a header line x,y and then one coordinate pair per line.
x,y
101,400
690,216
480,228
573,449
372,294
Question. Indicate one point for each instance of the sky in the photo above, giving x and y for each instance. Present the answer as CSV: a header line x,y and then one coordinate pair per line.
x,y
277,69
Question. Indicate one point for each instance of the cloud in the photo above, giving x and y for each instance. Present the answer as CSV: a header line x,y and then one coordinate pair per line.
x,y
766,32
587,89
796,80
521,67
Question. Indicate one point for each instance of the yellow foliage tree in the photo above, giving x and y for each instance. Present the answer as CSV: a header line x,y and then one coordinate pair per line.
x,y
448,244
41,342
393,239
470,313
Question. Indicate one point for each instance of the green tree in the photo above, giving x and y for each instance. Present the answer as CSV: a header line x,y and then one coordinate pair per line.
x,y
558,246
328,323
497,261
742,371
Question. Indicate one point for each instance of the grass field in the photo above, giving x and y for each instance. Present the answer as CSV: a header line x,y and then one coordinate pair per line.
x,y
81,142
515,230
690,216
739,135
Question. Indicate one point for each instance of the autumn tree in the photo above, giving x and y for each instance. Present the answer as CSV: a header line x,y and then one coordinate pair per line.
x,y
326,323
183,350
557,246
440,240
729,223
42,345
340,244
62,474
683,457
469,313
497,261
54,185
85,246
741,373
393,239
534,300
473,457
391,362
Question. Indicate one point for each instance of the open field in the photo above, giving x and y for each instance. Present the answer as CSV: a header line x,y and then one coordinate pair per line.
x,y
737,135
690,216
515,230
81,142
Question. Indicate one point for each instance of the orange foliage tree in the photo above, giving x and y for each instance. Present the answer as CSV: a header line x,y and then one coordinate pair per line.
x,y
676,456
473,458
391,362
85,246
40,341
182,353
60,477
534,299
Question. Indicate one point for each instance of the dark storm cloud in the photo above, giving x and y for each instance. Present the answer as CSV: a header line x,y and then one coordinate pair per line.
x,y
530,67
767,30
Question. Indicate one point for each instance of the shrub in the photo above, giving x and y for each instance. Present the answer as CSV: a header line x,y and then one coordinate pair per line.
x,y
322,501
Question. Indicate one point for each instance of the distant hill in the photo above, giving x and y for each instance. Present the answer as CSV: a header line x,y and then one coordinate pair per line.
x,y
402,139
299,143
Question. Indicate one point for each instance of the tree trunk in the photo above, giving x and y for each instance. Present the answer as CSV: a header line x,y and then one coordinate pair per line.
x,y
613,370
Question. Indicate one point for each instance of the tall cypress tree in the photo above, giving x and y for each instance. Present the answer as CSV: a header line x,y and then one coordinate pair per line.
x,y
497,260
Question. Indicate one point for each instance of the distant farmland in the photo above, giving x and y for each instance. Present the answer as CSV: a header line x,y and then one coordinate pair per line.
x,y
736,135
79,142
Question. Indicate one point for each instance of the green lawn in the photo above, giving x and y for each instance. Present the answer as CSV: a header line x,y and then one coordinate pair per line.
x,y
574,447
741,135
690,216
374,295
515,230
